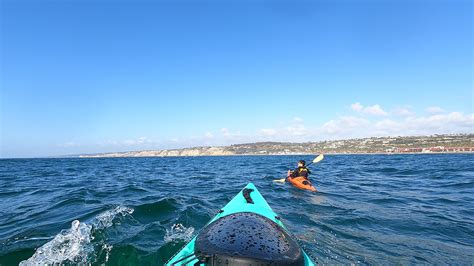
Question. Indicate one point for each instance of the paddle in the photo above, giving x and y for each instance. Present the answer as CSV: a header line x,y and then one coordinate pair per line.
x,y
316,160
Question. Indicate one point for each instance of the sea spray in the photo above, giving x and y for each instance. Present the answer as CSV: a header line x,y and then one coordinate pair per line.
x,y
106,218
70,244
75,244
179,232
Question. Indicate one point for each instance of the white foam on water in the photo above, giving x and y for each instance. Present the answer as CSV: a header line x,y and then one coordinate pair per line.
x,y
75,244
70,244
179,232
105,219
108,249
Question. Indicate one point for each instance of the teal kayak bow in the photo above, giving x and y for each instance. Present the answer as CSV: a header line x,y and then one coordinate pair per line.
x,y
245,232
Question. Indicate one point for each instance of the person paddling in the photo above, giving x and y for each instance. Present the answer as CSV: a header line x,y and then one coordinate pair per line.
x,y
301,170
299,176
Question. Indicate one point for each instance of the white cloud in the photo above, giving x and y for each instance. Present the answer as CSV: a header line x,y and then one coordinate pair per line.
x,y
375,110
344,125
359,126
434,110
357,107
402,111
298,119
296,130
387,124
386,127
454,122
225,132
230,135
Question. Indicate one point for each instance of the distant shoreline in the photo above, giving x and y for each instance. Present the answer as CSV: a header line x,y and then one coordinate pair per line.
x,y
434,144
302,154
230,155
451,143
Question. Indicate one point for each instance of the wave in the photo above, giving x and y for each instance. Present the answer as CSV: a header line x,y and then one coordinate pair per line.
x,y
76,244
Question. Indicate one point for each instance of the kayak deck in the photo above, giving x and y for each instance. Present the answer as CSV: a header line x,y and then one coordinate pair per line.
x,y
239,204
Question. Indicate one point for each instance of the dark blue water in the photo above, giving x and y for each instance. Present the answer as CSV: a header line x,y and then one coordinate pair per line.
x,y
371,209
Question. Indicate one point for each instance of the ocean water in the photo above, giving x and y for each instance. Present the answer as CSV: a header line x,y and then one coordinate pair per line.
x,y
370,209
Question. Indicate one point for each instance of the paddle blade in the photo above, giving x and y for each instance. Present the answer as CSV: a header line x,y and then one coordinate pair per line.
x,y
319,158
280,180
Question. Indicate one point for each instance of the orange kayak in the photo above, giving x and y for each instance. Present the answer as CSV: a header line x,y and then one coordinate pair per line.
x,y
301,182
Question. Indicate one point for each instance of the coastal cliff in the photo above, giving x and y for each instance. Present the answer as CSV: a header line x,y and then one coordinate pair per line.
x,y
418,144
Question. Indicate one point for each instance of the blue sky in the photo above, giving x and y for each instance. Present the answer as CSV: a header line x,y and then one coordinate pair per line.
x,y
100,76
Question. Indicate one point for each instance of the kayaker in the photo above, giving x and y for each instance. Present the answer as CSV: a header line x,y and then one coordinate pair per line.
x,y
301,170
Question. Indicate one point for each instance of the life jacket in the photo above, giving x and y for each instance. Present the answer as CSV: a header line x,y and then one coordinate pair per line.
x,y
301,171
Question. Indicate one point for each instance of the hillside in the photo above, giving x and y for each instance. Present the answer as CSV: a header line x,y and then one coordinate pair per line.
x,y
414,144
